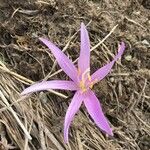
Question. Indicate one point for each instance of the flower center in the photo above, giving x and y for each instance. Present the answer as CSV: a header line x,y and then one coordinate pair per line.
x,y
85,81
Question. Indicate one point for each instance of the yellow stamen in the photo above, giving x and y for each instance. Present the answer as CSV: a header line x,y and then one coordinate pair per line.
x,y
84,77
92,83
82,86
89,77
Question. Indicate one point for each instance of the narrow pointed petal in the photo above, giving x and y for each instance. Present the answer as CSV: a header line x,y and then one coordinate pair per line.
x,y
72,110
102,72
84,58
63,61
94,108
55,84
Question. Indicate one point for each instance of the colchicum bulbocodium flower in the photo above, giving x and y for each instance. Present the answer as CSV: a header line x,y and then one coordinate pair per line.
x,y
81,82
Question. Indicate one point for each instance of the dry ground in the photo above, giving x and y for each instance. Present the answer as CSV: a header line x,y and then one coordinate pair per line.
x,y
124,94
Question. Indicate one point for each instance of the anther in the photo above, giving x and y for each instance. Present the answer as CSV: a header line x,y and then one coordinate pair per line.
x,y
89,77
92,83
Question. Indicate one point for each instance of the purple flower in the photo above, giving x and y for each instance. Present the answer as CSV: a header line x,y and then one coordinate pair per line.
x,y
81,82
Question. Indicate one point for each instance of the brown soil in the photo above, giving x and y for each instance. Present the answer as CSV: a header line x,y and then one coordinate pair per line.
x,y
124,94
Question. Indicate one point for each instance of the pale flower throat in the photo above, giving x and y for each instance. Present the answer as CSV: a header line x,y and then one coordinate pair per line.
x,y
85,81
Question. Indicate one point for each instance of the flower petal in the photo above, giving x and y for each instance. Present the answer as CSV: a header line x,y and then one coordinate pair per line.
x,y
94,108
55,84
72,109
63,61
102,72
84,58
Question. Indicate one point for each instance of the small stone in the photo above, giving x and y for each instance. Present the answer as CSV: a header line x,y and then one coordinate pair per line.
x,y
112,79
128,57
43,97
145,42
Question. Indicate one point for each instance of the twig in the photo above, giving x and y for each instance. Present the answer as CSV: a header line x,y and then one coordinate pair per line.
x,y
25,80
26,147
15,116
10,105
139,95
16,75
79,140
120,74
130,20
53,139
41,130
64,49
145,96
98,44
92,49
146,125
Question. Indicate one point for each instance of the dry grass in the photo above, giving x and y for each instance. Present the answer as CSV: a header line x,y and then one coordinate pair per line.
x,y
124,94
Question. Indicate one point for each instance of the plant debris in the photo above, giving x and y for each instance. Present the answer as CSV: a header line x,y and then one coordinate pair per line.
x,y
124,94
